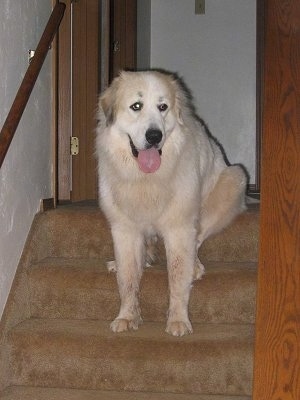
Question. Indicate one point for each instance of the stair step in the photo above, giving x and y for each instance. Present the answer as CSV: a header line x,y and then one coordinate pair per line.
x,y
37,393
83,288
238,242
67,351
85,354
83,232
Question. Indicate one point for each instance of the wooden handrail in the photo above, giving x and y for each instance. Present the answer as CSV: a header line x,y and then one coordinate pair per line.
x,y
13,118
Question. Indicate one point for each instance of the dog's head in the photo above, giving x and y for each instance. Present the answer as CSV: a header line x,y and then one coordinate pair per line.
x,y
144,107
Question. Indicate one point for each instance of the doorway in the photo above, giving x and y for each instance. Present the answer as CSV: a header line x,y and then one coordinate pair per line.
x,y
96,40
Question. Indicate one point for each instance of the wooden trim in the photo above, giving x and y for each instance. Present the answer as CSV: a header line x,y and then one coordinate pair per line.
x,y
84,99
47,204
92,87
253,191
277,348
124,31
104,40
254,188
64,106
54,111
259,88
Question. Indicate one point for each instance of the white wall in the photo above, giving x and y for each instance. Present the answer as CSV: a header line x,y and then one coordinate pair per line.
x,y
215,53
143,34
25,176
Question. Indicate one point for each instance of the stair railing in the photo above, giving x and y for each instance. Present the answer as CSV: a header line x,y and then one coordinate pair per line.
x,y
16,111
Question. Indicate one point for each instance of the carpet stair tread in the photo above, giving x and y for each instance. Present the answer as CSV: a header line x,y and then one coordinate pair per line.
x,y
83,288
38,393
86,354
66,350
84,232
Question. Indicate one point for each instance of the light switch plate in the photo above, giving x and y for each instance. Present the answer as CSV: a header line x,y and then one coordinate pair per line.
x,y
199,7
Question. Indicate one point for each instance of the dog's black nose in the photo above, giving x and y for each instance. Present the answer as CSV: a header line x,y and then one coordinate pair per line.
x,y
153,136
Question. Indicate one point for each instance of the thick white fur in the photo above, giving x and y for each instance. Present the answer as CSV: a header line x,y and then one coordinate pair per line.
x,y
191,196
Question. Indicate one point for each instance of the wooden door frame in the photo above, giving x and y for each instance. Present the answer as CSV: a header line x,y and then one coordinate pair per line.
x,y
63,164
69,102
62,96
85,81
123,30
277,345
254,188
54,112
126,58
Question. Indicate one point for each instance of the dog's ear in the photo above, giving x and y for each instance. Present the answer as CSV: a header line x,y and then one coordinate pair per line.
x,y
180,100
178,108
183,99
108,101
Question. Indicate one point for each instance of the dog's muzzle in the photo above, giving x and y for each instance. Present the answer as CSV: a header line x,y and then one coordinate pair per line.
x,y
152,139
134,150
149,158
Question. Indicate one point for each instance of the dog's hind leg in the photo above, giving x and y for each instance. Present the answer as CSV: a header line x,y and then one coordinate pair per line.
x,y
129,254
224,202
151,250
111,266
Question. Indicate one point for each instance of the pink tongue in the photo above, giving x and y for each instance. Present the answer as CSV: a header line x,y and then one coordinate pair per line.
x,y
149,160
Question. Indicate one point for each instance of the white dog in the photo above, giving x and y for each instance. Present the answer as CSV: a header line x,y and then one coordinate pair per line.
x,y
160,173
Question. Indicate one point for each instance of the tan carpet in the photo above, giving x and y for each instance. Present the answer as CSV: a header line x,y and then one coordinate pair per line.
x,y
55,337
29,393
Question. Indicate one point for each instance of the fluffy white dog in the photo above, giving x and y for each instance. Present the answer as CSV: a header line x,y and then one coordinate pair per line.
x,y
160,174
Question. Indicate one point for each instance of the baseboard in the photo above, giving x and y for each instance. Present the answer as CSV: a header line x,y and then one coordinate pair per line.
x,y
47,204
253,191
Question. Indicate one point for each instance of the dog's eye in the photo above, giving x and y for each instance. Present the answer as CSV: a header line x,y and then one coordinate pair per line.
x,y
137,106
162,107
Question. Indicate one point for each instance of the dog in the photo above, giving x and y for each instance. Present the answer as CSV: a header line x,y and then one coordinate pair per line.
x,y
161,174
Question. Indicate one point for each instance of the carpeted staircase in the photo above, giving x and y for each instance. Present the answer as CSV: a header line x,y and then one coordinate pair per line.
x,y
56,342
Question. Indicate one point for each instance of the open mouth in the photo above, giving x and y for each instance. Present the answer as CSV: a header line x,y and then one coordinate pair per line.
x,y
135,151
149,160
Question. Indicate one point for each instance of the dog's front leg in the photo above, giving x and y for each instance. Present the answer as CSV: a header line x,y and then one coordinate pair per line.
x,y
129,255
181,256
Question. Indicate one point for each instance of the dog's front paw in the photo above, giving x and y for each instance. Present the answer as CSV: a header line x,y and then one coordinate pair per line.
x,y
179,328
123,324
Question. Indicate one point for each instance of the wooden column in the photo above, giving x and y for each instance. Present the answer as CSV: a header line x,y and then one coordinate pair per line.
x,y
277,353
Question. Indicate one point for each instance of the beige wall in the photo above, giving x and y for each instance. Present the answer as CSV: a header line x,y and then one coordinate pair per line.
x,y
25,176
216,55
